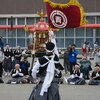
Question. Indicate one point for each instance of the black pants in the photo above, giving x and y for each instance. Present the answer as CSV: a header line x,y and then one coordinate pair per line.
x,y
1,69
72,65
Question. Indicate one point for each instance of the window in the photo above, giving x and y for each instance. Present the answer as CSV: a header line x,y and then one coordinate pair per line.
x,y
97,32
89,32
11,33
21,21
79,32
60,33
21,42
79,42
2,21
60,42
30,21
90,19
12,42
69,41
3,32
20,33
98,19
69,32
11,20
64,37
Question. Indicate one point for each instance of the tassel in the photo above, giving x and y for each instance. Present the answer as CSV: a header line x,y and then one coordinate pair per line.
x,y
71,2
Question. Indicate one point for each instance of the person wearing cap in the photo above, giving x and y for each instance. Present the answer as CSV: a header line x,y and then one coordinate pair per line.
x,y
95,77
48,70
1,66
24,65
77,77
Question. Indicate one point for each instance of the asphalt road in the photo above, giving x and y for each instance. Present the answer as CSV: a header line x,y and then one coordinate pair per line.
x,y
67,92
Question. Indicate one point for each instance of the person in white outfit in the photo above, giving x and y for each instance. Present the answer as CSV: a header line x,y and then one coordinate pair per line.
x,y
53,40
96,45
48,69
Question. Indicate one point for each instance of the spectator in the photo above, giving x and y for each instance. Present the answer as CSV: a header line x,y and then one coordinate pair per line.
x,y
85,67
76,77
96,45
95,77
17,75
1,43
66,60
88,48
96,54
84,48
17,56
1,62
72,57
25,66
8,59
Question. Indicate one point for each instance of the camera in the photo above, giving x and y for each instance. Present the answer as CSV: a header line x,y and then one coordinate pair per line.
x,y
70,49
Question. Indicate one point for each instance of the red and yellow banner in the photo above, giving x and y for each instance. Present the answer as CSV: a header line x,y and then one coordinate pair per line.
x,y
68,15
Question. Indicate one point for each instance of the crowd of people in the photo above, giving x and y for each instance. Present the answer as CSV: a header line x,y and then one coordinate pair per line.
x,y
13,64
47,70
82,70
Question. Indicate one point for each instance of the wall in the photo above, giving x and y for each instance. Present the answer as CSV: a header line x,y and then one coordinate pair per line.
x,y
32,6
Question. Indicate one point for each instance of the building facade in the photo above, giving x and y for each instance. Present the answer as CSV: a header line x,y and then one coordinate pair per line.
x,y
24,12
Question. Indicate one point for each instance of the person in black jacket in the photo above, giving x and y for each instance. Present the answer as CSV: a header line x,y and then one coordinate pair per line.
x,y
7,59
66,60
17,56
17,75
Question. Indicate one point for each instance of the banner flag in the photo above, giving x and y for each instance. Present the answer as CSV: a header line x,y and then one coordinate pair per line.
x,y
68,15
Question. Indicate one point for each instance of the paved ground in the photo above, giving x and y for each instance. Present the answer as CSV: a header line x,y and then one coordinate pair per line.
x,y
22,92
67,92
